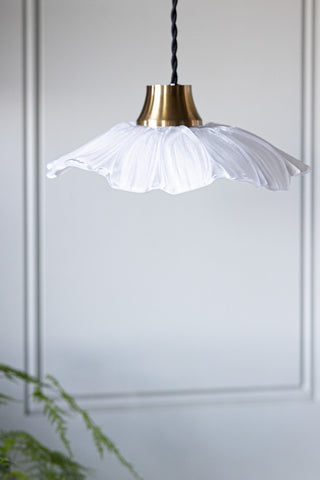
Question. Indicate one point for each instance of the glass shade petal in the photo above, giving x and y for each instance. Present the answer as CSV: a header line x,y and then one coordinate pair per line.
x,y
179,159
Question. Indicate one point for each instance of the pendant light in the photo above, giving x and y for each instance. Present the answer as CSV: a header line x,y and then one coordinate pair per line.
x,y
169,149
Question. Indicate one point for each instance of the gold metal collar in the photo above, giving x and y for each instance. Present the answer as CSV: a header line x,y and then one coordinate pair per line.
x,y
169,105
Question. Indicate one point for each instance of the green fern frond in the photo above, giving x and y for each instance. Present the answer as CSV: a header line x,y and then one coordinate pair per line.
x,y
15,474
55,415
101,441
13,374
37,461
4,463
37,457
5,399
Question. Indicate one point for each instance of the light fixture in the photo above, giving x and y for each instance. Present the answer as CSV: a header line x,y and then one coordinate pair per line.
x,y
169,149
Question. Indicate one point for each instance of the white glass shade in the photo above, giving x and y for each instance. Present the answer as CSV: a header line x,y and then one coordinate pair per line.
x,y
179,159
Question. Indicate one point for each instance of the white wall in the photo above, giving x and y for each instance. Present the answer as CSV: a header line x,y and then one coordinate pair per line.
x,y
198,311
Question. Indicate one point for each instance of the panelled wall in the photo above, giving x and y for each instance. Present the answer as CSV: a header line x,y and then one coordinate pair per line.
x,y
188,324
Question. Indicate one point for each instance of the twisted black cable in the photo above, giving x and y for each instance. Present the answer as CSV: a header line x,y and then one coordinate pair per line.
x,y
174,44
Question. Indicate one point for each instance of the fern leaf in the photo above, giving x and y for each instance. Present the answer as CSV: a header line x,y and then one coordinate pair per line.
x,y
37,462
15,474
5,399
101,441
14,374
55,415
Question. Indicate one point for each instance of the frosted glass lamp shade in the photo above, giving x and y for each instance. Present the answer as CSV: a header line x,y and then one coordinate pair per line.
x,y
179,159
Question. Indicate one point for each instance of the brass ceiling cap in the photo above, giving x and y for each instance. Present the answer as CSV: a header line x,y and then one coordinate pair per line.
x,y
169,106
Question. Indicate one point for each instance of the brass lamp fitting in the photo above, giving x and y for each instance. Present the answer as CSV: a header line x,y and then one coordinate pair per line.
x,y
169,105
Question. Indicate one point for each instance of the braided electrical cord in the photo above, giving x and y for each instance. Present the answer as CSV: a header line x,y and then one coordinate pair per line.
x,y
174,44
